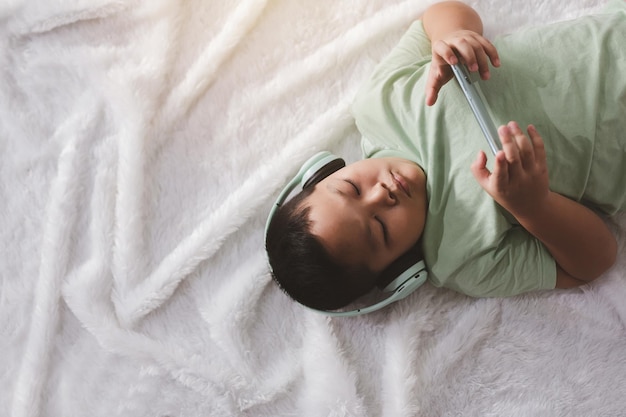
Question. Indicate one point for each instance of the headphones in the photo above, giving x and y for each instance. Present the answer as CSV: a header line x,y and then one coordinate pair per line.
x,y
406,274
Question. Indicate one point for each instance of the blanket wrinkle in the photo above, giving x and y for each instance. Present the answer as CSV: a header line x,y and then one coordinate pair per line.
x,y
401,393
39,17
324,361
55,256
339,51
202,73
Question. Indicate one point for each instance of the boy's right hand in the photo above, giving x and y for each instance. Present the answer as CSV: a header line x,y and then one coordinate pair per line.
x,y
474,50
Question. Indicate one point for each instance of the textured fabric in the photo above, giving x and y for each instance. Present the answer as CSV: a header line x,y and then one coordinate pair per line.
x,y
566,79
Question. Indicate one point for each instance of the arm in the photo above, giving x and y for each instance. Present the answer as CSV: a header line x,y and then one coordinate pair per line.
x,y
454,26
581,244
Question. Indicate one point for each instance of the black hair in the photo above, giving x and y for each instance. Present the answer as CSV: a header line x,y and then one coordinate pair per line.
x,y
303,268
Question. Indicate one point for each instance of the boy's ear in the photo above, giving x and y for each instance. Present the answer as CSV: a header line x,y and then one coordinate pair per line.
x,y
332,166
404,262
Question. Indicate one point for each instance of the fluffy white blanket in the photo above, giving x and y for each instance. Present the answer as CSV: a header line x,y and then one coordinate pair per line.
x,y
141,147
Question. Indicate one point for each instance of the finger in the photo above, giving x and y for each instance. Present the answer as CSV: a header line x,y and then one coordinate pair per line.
x,y
486,52
467,52
481,54
510,149
438,76
500,176
490,50
431,96
444,52
432,85
479,169
537,143
483,64
525,147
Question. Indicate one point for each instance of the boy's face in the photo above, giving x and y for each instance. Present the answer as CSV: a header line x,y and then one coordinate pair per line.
x,y
370,212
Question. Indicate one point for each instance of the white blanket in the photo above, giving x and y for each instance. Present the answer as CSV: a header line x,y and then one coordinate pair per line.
x,y
141,147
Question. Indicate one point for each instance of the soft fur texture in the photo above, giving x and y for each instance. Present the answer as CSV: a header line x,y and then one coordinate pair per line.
x,y
142,145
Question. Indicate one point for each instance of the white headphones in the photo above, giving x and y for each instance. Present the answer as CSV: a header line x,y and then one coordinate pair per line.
x,y
411,274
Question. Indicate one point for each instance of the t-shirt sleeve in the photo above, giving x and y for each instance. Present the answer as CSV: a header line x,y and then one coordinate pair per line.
x,y
399,73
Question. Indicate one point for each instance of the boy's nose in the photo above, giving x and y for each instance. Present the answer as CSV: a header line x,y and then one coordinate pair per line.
x,y
380,194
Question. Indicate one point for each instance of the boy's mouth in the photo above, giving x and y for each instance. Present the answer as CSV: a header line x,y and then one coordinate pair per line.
x,y
401,183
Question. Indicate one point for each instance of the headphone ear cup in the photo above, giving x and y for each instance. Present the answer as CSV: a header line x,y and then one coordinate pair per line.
x,y
330,167
397,268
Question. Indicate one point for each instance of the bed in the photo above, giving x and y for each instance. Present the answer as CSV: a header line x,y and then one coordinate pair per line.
x,y
141,147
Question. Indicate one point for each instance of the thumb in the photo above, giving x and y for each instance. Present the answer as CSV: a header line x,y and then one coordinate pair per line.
x,y
439,74
480,170
433,85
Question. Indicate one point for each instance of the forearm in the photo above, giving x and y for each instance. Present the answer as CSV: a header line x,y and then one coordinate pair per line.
x,y
577,238
443,18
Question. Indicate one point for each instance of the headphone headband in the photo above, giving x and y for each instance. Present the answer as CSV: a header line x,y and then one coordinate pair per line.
x,y
305,176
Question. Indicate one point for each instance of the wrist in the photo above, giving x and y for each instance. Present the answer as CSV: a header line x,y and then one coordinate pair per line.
x,y
532,212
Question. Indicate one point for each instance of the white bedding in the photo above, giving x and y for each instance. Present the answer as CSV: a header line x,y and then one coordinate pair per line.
x,y
141,147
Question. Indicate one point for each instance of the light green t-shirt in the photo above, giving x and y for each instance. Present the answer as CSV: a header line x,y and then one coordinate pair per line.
x,y
568,79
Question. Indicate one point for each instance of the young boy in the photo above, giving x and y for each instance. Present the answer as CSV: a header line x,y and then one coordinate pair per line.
x,y
528,222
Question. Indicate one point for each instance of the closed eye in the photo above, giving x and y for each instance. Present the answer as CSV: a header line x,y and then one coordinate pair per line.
x,y
356,189
383,227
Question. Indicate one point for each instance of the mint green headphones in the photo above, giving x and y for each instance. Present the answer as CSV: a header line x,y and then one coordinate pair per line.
x,y
409,274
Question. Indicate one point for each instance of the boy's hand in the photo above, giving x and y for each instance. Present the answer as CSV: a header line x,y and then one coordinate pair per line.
x,y
519,181
474,50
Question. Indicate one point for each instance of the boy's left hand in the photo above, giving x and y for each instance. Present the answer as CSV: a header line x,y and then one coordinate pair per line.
x,y
474,50
519,181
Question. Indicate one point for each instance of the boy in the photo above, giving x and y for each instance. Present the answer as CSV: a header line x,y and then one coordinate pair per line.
x,y
525,224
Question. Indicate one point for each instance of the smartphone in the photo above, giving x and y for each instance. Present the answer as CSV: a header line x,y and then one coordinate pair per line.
x,y
477,102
